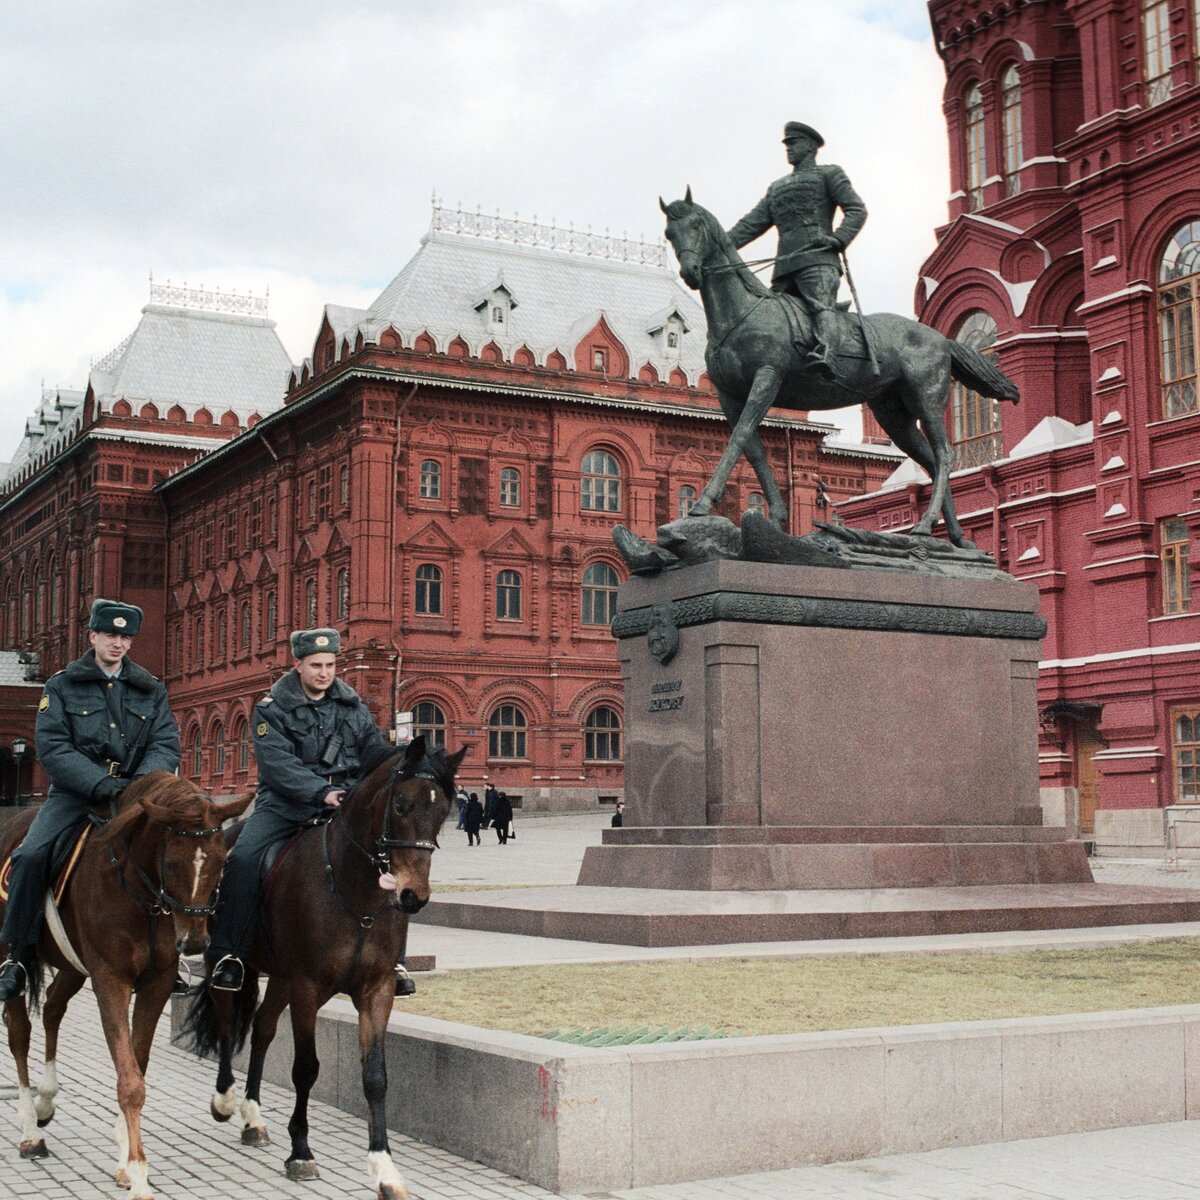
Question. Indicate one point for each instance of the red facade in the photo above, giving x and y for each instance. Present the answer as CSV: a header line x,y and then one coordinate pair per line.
x,y
1073,251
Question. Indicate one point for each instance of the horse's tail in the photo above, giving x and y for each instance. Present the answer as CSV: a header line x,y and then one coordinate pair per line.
x,y
980,374
201,1030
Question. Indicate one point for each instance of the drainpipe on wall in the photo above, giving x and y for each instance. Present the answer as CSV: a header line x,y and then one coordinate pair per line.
x,y
991,481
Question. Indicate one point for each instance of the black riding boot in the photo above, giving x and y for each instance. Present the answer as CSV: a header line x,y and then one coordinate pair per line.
x,y
405,985
14,978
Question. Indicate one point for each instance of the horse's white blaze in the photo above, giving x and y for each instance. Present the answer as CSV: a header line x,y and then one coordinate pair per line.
x,y
251,1114
198,863
139,1182
381,1169
27,1115
226,1102
43,1102
121,1133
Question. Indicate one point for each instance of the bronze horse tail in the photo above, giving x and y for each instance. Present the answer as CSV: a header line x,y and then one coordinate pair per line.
x,y
980,374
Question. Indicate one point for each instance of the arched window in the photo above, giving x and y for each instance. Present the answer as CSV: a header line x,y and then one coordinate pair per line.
x,y
1187,756
510,487
1156,50
244,626
310,603
1179,319
687,498
428,599
198,642
197,755
219,750
508,596
343,594
976,147
600,482
243,745
602,735
428,719
599,594
976,419
344,487
271,611
1010,101
506,732
431,480
222,633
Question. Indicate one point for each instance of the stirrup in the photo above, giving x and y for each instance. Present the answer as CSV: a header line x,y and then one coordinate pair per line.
x,y
9,990
405,984
228,975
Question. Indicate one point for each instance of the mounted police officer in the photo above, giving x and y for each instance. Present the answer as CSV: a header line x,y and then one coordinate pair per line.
x,y
102,722
802,207
310,735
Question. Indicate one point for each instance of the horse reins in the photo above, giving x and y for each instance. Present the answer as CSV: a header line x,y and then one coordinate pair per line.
x,y
162,903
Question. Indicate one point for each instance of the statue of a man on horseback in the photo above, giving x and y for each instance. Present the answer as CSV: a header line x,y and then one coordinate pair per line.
x,y
802,206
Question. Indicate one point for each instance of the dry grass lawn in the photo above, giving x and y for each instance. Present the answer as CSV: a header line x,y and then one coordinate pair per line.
x,y
790,995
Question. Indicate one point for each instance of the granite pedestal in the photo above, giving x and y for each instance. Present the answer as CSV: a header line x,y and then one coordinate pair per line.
x,y
812,752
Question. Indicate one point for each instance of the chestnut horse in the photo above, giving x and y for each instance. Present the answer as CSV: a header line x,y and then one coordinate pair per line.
x,y
326,927
140,894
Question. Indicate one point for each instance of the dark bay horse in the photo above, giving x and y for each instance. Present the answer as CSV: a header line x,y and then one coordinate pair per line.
x,y
140,894
757,341
333,919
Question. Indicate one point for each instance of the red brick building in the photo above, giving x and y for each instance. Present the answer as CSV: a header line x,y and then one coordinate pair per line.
x,y
441,485
1073,251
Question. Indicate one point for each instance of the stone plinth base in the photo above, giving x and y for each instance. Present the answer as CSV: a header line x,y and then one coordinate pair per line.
x,y
752,858
654,917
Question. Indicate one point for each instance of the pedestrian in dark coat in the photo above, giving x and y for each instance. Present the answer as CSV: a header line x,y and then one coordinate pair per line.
x,y
502,817
101,723
489,805
473,819
310,735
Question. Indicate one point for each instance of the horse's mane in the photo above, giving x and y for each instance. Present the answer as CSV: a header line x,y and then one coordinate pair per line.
x,y
679,209
165,790
432,762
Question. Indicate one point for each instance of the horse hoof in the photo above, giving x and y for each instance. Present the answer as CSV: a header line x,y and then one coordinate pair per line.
x,y
34,1149
218,1115
392,1191
302,1170
44,1121
966,544
255,1136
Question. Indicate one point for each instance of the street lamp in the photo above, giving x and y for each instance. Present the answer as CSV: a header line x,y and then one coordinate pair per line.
x,y
18,749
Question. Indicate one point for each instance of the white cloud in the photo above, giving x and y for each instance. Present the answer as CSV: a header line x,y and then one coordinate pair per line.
x,y
296,145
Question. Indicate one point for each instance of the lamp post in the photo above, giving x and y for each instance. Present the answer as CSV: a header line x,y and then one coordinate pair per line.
x,y
18,749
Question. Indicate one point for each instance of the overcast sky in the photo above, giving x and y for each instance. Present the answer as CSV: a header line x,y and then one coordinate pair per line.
x,y
295,145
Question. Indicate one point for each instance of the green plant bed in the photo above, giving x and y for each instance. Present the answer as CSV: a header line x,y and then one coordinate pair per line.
x,y
743,996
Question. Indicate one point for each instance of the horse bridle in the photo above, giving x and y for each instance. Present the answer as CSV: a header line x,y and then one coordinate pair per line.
x,y
163,903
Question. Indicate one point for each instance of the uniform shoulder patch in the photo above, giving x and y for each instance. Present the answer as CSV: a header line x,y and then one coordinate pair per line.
x,y
43,703
262,729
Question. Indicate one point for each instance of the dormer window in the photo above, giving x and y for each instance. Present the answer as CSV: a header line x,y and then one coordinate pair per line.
x,y
673,340
497,314
599,359
495,305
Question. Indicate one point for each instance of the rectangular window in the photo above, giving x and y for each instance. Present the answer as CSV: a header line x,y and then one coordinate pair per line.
x,y
1185,737
1156,50
1177,588
599,359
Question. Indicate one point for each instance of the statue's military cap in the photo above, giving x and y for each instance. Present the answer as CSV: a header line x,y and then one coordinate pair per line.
x,y
315,641
795,129
111,616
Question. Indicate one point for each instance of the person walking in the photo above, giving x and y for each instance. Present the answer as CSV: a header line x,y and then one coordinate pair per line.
x,y
460,801
618,817
502,817
473,819
489,804
102,722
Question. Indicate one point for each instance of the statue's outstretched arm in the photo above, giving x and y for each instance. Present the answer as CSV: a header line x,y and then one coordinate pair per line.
x,y
754,224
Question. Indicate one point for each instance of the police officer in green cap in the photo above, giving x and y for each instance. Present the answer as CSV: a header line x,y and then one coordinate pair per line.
x,y
802,206
102,722
310,735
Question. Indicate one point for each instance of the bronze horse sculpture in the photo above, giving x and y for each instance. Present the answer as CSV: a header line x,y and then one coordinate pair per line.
x,y
333,919
757,341
141,892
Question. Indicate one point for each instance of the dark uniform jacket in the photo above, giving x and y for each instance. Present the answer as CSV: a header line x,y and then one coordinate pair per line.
x,y
77,736
291,736
801,206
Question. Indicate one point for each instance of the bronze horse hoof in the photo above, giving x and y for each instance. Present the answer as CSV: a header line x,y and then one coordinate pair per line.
x,y
34,1149
252,1136
302,1170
